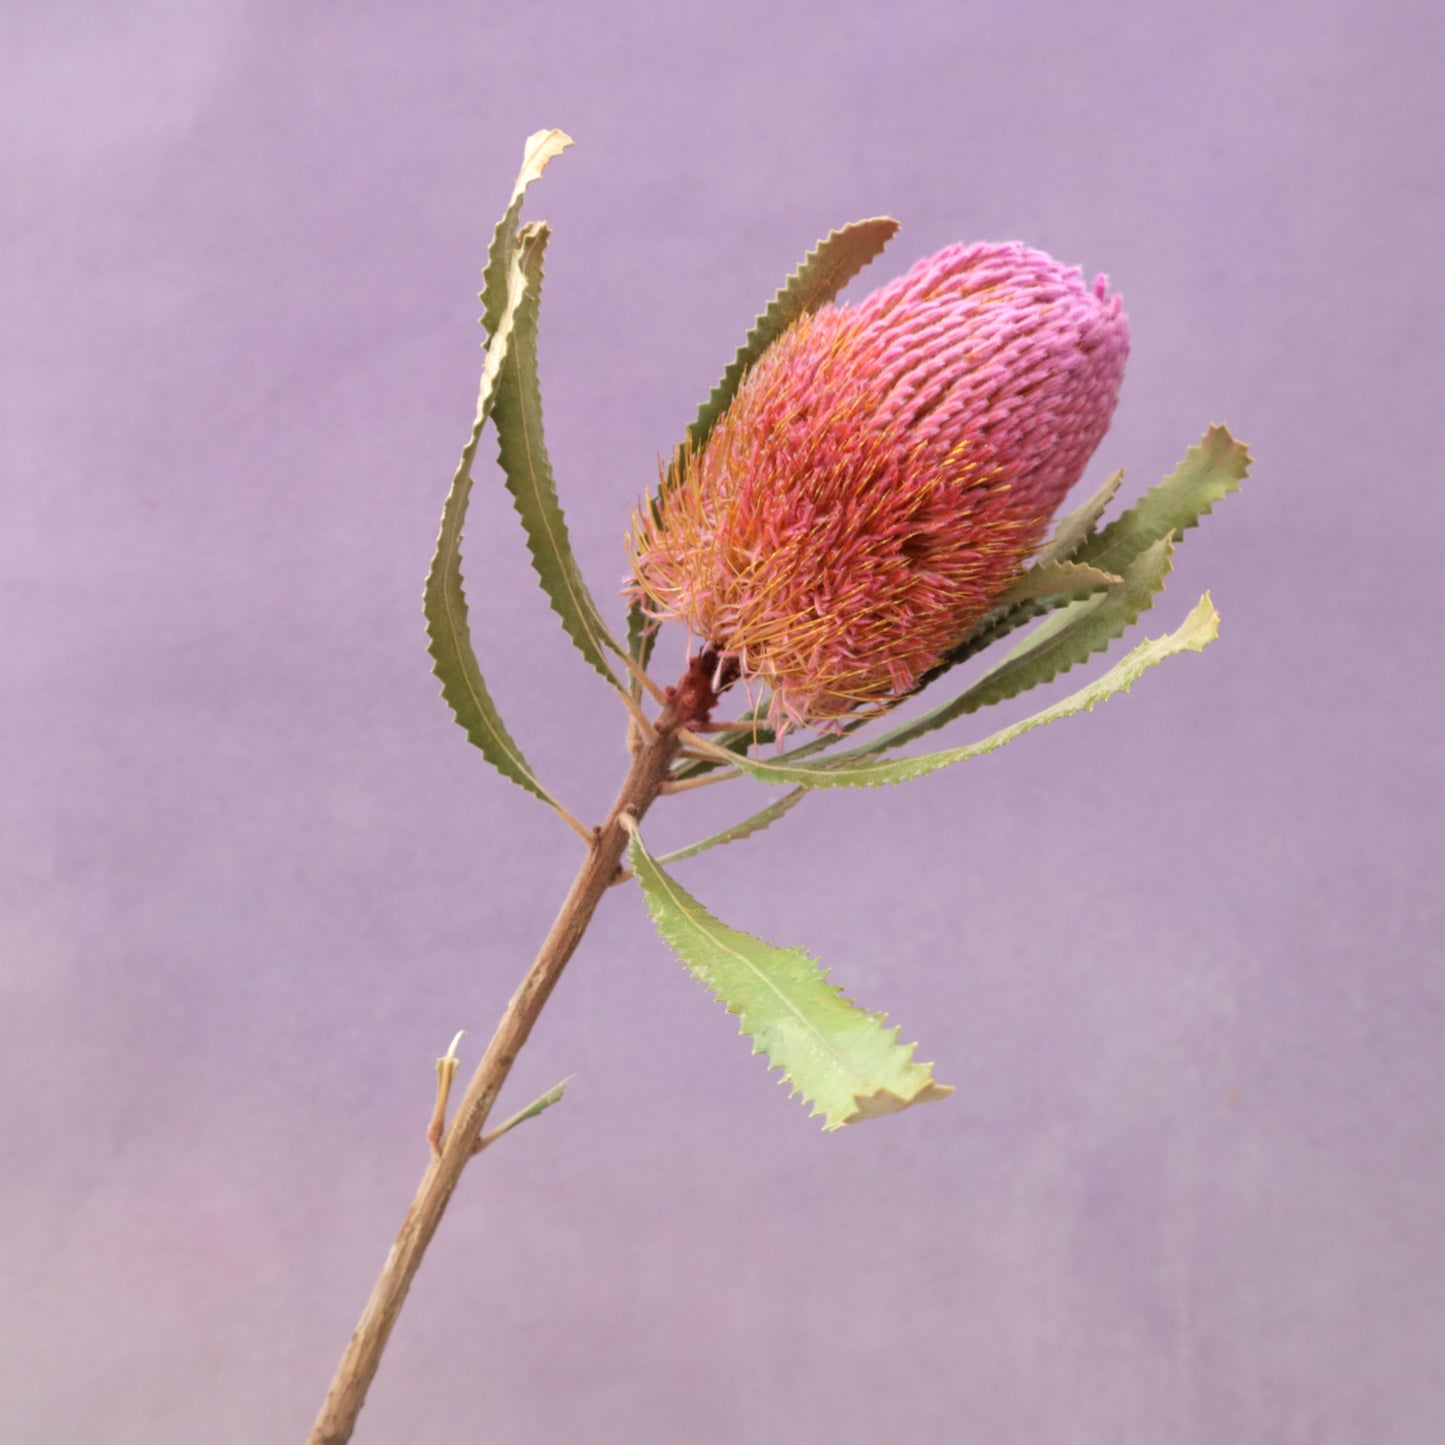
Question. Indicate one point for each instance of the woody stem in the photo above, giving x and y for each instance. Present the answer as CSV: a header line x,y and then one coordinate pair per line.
x,y
359,1362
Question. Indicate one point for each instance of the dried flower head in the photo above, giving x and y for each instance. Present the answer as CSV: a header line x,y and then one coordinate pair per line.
x,y
881,476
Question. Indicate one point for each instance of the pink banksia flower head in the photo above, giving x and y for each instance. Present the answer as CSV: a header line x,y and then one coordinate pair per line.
x,y
881,476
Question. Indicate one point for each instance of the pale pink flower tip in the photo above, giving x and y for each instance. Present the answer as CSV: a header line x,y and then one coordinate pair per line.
x,y
882,475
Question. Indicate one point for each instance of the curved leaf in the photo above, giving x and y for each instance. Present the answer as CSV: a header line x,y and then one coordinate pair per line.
x,y
522,451
1209,472
859,769
1053,582
841,1059
1076,527
763,818
820,276
444,602
1073,635
541,148
1066,639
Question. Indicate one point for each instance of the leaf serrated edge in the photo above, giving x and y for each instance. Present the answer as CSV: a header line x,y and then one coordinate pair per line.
x,y
1199,629
1076,527
1070,637
1076,538
522,454
539,150
763,818
1120,608
866,1104
822,273
1212,469
444,600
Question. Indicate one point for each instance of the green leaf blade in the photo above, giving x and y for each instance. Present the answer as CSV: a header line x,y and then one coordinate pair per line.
x,y
1070,636
1210,471
1055,583
522,452
444,601
763,818
1076,527
841,1059
541,149
859,768
820,276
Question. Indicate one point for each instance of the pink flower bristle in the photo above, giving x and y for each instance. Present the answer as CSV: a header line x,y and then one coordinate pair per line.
x,y
881,476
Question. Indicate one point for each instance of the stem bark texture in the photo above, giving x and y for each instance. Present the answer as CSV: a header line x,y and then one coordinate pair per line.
x,y
650,764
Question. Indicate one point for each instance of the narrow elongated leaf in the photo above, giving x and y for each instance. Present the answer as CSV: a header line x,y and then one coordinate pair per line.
x,y
537,1106
444,602
1055,581
641,635
857,768
1209,472
1073,635
542,147
1076,527
841,1059
522,451
820,276
1066,639
745,737
1042,588
1020,608
755,824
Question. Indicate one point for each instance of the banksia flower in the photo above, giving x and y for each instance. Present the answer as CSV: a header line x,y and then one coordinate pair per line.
x,y
882,475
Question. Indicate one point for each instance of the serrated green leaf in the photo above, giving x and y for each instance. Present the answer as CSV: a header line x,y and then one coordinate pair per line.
x,y
841,1059
522,451
1066,639
1209,472
1018,611
820,276
1075,528
1074,634
1105,606
1054,581
858,768
541,148
444,602
763,818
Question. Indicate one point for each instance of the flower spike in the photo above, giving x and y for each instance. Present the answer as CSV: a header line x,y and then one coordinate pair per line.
x,y
882,475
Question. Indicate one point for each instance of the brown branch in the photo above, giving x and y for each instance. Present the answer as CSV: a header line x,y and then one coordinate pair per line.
x,y
604,856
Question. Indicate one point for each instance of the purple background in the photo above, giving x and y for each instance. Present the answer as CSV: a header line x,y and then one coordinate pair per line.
x,y
1181,956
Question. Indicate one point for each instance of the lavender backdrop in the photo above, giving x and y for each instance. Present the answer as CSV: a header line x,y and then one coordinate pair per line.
x,y
1181,957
